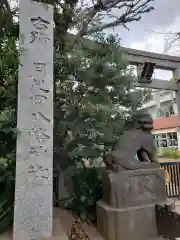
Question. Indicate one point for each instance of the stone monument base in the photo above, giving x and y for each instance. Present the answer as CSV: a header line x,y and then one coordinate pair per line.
x,y
134,188
131,223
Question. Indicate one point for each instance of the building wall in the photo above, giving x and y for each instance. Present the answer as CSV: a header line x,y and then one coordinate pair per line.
x,y
163,104
175,108
178,138
161,131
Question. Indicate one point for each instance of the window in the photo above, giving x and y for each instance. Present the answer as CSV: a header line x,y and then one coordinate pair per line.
x,y
166,140
171,110
163,135
163,142
166,111
160,113
172,139
157,140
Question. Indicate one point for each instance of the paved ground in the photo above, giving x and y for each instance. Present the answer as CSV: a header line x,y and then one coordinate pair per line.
x,y
177,203
58,229
61,228
6,236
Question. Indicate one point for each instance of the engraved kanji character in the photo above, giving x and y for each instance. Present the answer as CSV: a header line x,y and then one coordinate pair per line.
x,y
43,38
37,82
42,116
44,90
40,23
38,98
40,67
35,150
40,134
35,168
36,88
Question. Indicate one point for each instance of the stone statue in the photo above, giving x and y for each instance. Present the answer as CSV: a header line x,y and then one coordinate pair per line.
x,y
138,140
127,208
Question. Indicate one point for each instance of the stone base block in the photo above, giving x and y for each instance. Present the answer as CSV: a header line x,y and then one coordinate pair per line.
x,y
132,223
134,188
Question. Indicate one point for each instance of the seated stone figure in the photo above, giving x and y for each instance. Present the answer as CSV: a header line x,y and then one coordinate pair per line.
x,y
138,140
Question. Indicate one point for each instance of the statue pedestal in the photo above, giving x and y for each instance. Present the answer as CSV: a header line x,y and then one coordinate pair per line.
x,y
127,210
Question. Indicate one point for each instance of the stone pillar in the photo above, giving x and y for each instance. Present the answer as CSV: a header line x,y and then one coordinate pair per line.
x,y
178,138
176,75
34,159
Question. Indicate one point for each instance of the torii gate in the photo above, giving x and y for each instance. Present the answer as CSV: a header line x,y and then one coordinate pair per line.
x,y
33,216
139,58
162,61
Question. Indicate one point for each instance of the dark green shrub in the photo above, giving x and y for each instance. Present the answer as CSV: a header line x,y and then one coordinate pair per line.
x,y
6,192
87,188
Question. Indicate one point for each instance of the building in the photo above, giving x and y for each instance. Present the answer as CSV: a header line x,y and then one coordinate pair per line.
x,y
163,109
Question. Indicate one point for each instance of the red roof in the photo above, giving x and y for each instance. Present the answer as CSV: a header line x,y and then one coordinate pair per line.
x,y
167,122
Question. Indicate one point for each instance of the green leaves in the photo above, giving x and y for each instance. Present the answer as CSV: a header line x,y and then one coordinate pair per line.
x,y
3,162
93,99
87,188
6,204
7,168
8,100
8,93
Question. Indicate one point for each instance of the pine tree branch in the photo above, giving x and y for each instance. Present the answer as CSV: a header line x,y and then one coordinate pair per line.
x,y
88,18
134,10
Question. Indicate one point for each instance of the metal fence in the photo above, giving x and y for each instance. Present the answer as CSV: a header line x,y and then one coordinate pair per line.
x,y
172,175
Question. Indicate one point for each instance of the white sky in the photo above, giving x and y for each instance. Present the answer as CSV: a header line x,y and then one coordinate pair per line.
x,y
143,36
165,18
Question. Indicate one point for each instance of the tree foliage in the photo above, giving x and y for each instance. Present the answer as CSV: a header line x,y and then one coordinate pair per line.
x,y
95,94
94,88
172,42
8,103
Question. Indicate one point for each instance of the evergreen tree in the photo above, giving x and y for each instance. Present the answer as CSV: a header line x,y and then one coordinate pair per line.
x,y
95,95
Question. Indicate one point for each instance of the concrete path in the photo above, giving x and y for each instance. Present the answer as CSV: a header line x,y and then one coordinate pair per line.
x,y
58,230
177,203
6,236
62,228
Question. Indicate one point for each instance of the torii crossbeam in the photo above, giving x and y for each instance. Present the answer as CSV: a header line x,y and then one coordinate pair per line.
x,y
138,58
